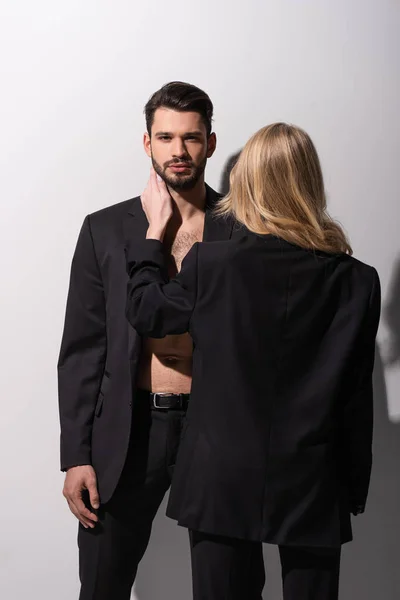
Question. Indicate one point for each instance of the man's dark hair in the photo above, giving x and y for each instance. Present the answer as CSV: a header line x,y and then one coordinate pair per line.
x,y
182,97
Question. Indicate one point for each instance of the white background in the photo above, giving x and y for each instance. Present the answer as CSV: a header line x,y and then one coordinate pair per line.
x,y
74,79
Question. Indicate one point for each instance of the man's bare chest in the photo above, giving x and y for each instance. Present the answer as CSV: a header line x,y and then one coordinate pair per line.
x,y
181,245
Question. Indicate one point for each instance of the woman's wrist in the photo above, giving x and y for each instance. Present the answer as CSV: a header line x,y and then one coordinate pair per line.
x,y
156,232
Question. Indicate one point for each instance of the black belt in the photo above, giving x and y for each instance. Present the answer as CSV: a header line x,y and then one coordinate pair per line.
x,y
167,401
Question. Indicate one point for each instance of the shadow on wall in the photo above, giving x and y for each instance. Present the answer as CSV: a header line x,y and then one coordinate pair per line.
x,y
230,163
370,565
391,316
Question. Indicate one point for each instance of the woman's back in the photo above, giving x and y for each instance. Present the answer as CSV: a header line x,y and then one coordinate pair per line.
x,y
284,345
283,308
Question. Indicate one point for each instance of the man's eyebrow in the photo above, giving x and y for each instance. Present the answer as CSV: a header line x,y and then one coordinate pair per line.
x,y
196,132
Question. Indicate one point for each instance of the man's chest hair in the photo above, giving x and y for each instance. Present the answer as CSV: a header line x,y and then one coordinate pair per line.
x,y
182,243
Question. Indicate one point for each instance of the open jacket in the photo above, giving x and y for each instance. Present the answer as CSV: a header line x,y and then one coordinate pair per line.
x,y
100,351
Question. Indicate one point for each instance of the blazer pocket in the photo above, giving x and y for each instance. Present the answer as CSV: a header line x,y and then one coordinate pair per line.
x,y
99,405
183,430
105,383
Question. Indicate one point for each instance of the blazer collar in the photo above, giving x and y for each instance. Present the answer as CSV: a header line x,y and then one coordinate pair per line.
x,y
215,228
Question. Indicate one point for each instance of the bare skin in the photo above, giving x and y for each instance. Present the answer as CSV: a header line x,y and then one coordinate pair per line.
x,y
76,481
178,146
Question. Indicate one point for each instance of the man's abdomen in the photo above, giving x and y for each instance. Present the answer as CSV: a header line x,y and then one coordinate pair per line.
x,y
166,364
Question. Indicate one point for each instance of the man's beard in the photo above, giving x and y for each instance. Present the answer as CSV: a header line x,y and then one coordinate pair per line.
x,y
180,181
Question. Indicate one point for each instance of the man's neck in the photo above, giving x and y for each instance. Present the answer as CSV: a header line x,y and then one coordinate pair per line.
x,y
188,203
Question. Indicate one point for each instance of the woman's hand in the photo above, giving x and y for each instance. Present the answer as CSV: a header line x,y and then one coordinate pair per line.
x,y
157,205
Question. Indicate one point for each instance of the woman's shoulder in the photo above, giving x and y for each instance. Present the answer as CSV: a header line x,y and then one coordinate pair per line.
x,y
359,265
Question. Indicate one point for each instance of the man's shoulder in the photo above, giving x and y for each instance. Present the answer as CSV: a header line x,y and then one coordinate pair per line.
x,y
107,224
114,211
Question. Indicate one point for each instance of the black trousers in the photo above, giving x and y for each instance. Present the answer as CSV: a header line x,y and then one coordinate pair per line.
x,y
110,553
228,569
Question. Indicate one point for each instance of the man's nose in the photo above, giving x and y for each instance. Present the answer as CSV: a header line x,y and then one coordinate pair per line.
x,y
179,148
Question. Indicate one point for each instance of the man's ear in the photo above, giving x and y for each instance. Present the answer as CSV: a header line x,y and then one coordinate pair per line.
x,y
147,144
211,144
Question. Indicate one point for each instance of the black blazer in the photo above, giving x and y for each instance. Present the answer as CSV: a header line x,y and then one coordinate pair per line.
x,y
100,350
277,444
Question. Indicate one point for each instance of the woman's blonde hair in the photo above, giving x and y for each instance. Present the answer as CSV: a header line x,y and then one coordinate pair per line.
x,y
277,187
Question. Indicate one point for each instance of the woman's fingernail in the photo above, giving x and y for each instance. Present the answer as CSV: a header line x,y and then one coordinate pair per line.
x,y
158,177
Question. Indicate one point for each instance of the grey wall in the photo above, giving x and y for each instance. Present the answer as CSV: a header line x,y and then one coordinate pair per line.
x,y
75,77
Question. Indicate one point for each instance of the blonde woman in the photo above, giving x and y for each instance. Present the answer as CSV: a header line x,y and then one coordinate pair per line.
x,y
277,442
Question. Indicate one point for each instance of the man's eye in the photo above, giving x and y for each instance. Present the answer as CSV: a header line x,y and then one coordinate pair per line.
x,y
164,138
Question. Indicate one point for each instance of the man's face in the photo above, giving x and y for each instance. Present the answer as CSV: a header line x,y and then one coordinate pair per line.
x,y
179,147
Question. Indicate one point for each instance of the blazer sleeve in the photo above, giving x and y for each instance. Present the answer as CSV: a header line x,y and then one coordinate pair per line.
x,y
357,427
82,355
157,306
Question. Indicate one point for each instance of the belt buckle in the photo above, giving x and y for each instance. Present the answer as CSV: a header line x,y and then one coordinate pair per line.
x,y
161,395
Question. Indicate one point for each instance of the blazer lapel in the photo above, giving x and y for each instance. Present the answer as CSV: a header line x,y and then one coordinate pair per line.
x,y
215,228
135,226
135,223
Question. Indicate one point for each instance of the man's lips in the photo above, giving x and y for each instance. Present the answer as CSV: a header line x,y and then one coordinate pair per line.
x,y
179,167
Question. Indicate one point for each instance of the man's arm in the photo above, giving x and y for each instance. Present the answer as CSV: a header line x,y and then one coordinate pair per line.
x,y
80,367
357,424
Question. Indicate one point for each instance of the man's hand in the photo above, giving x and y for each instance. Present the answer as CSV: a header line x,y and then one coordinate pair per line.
x,y
77,480
157,205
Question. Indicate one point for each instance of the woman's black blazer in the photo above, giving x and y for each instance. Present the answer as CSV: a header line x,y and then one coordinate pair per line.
x,y
277,441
